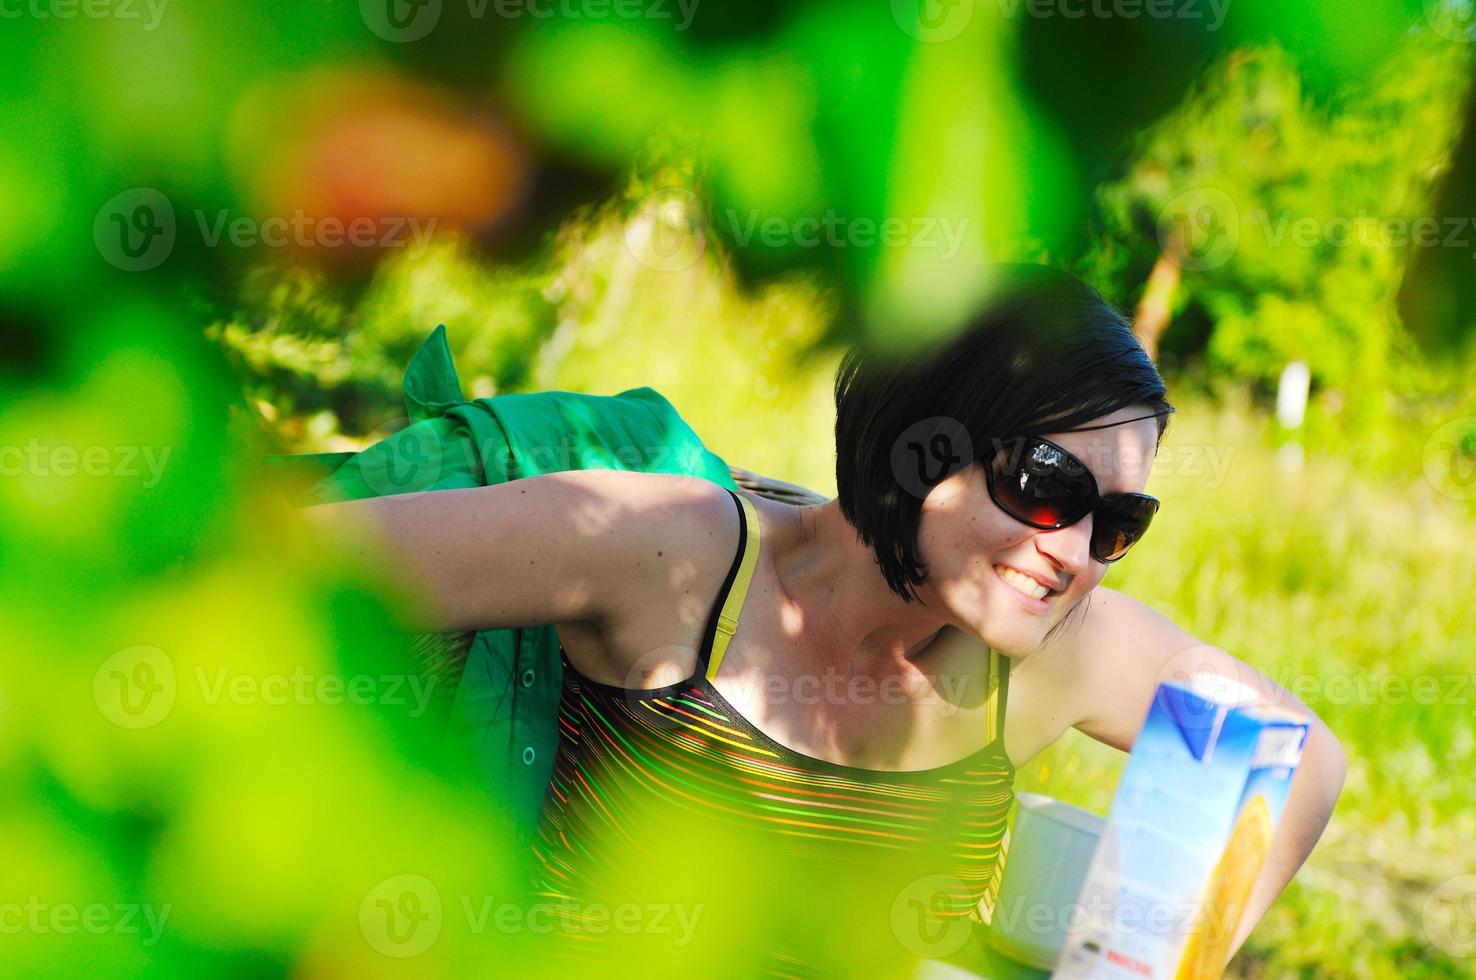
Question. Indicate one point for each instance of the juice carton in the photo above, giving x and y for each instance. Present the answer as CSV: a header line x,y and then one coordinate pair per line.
x,y
1187,834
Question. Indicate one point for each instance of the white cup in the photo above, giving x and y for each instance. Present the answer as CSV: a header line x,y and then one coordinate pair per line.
x,y
1051,847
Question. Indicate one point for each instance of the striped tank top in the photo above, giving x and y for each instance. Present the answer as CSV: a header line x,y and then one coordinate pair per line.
x,y
675,835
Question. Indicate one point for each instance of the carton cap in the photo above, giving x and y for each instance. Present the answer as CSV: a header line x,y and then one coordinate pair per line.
x,y
1223,690
1276,713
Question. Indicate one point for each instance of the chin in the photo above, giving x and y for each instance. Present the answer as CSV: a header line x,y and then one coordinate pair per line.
x,y
1014,648
1012,631
1014,642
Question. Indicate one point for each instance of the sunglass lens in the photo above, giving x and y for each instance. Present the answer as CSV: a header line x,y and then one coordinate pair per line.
x,y
1117,528
1041,485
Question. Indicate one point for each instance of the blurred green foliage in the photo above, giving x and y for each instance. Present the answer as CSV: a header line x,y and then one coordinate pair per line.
x,y
319,360
1293,219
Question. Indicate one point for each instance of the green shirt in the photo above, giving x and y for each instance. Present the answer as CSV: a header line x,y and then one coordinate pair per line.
x,y
507,701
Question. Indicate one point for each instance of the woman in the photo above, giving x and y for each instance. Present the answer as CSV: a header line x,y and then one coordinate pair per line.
x,y
790,721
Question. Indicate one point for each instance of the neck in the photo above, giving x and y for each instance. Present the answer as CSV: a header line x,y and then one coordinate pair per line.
x,y
837,599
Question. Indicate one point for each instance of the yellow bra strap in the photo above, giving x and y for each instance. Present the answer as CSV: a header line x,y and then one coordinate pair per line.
x,y
998,696
727,623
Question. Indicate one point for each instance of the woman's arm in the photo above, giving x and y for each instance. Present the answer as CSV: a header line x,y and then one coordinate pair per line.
x,y
1124,650
567,547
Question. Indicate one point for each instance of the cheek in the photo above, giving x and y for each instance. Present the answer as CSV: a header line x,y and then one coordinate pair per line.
x,y
965,542
1086,581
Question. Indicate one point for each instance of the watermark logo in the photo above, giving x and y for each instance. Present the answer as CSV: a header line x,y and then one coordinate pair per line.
x,y
933,21
1449,916
1199,229
654,668
401,916
1453,19
401,21
135,688
1218,680
1450,459
135,230
408,461
925,919
928,452
668,232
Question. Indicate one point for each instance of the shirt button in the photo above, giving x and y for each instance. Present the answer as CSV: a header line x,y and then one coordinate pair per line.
x,y
527,755
528,677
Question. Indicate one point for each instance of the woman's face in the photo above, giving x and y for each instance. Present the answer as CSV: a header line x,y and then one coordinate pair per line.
x,y
972,548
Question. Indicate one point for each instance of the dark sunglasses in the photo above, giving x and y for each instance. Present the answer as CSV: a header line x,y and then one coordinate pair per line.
x,y
1040,484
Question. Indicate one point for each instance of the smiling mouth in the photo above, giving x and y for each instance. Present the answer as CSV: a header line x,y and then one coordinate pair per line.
x,y
1023,583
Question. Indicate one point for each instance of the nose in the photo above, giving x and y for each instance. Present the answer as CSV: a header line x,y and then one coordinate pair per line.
x,y
1069,548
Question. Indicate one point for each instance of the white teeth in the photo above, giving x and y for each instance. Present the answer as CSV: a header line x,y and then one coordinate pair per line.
x,y
1024,583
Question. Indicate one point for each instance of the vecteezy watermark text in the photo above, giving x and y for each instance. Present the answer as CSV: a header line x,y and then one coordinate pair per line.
x,y
918,926
680,12
403,916
1424,231
1211,11
669,231
1203,228
37,458
834,230
306,231
153,10
138,687
403,21
137,230
98,918
936,21
1378,688
409,459
305,687
932,449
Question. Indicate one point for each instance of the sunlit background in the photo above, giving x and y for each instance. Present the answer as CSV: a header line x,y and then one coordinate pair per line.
x,y
224,229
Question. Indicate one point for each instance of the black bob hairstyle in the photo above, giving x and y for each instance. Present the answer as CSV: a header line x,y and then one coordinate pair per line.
x,y
1047,354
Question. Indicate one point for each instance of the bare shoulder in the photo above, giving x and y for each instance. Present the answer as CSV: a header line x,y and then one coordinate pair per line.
x,y
1116,656
680,532
638,490
1110,614
1088,674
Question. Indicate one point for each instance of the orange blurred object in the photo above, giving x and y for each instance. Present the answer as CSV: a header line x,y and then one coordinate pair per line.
x,y
331,150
